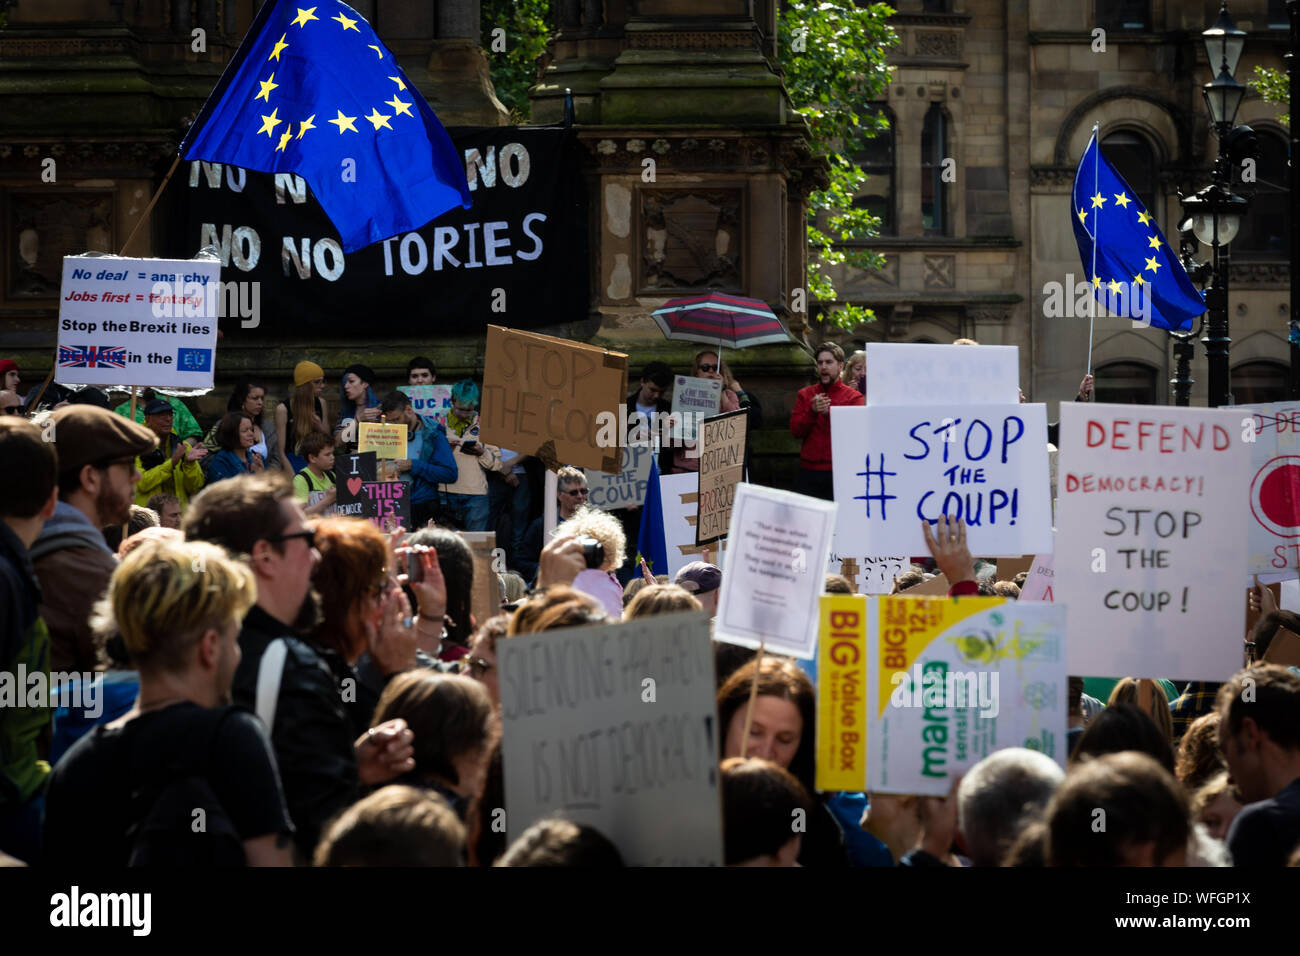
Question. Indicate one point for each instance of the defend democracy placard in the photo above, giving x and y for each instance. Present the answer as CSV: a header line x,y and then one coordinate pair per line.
x,y
1273,433
895,466
517,257
146,322
951,680
1151,539
616,727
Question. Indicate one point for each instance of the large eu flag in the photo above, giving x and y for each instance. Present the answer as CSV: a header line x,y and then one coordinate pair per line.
x,y
1123,250
313,91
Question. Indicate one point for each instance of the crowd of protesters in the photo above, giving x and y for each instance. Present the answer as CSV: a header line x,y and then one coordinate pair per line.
x,y
323,690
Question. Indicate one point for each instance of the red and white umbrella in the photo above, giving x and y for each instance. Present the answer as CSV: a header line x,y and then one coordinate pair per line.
x,y
716,318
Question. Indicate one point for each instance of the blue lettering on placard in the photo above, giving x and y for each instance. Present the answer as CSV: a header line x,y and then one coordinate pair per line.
x,y
867,496
194,360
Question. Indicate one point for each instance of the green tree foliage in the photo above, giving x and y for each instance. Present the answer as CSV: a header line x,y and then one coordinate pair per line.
x,y
1275,88
833,54
527,25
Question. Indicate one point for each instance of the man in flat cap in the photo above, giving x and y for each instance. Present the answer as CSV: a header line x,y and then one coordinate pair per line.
x,y
172,467
97,452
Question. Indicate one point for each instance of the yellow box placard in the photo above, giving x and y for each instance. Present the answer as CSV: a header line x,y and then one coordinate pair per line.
x,y
386,441
842,693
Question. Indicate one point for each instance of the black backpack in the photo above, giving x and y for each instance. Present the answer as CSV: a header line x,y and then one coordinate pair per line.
x,y
166,830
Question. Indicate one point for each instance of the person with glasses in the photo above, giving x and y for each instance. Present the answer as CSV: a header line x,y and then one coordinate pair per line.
x,y
174,465
310,700
97,453
10,403
571,488
684,459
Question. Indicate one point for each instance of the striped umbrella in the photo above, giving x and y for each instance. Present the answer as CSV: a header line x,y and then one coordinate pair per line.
x,y
716,318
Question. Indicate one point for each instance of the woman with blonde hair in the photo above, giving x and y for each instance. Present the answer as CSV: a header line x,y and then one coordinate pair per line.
x,y
177,607
855,372
305,412
655,599
1146,695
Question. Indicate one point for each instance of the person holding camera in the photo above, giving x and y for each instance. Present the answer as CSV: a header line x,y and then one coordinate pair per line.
x,y
467,497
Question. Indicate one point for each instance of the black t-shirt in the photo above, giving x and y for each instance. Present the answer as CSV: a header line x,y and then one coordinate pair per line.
x,y
88,803
1266,833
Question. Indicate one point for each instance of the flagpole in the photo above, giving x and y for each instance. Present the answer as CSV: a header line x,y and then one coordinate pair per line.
x,y
1096,229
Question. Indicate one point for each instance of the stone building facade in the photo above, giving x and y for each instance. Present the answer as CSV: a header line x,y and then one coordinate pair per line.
x,y
1010,91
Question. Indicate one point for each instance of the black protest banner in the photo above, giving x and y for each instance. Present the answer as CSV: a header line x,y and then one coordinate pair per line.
x,y
354,471
518,257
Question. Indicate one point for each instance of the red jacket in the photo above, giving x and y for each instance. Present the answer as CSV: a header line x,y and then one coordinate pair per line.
x,y
815,429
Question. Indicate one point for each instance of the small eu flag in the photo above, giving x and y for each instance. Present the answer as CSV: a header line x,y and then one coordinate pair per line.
x,y
313,91
1130,265
651,543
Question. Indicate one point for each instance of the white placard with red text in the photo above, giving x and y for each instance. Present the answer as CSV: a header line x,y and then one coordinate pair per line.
x,y
1151,538
1273,432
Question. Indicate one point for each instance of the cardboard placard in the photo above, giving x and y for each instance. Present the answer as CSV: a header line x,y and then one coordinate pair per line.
x,y
579,738
1284,650
554,399
722,467
952,680
386,441
694,399
148,322
779,543
906,373
429,401
1273,433
936,586
679,500
986,464
842,693
627,488
1152,532
485,596
1008,568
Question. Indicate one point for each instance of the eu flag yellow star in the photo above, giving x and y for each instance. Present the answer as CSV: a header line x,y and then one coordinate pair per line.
x,y
398,81
1144,217
1138,280
269,123
1153,265
267,86
1096,282
347,25
304,15
1113,285
285,137
379,119
376,49
402,108
279,45
1121,199
1098,201
344,122
1083,215
1153,242
306,125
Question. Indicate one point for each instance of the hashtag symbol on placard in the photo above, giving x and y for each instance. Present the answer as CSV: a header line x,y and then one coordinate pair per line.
x,y
881,475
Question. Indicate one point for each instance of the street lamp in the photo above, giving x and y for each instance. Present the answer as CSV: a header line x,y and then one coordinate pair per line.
x,y
1215,212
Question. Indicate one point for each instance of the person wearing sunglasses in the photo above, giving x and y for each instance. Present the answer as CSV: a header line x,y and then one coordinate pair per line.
x,y
10,403
97,475
685,459
571,494
311,701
